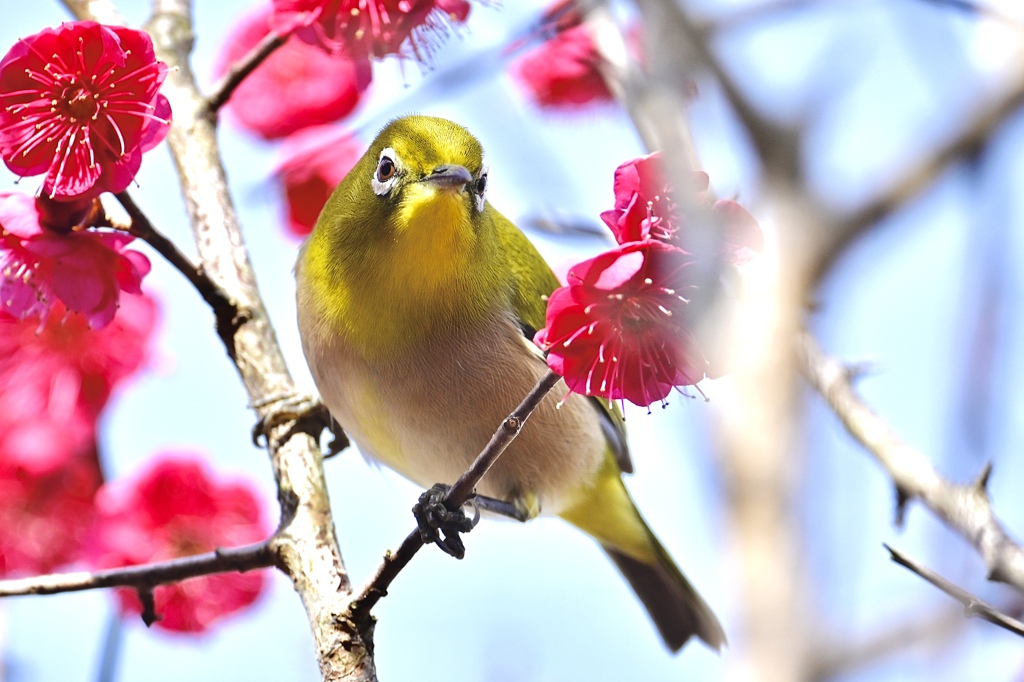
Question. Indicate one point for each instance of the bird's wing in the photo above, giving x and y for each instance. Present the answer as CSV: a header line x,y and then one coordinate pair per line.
x,y
532,283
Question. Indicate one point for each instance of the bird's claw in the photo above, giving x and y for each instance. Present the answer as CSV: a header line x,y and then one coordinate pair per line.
x,y
306,415
434,518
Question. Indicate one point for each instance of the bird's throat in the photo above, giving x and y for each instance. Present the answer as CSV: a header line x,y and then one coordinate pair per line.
x,y
434,242
425,277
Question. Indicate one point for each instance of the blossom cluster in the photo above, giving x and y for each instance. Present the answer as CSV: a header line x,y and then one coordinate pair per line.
x,y
618,329
299,85
46,264
79,106
369,28
79,103
176,507
56,379
320,75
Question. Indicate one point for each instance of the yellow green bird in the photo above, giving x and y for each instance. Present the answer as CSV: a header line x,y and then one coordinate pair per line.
x,y
417,302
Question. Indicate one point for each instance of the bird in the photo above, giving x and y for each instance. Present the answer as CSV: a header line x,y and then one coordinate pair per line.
x,y
416,303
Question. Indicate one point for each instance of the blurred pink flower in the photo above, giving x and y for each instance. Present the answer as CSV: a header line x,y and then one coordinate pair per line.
x,y
565,70
85,270
616,329
369,28
646,207
80,104
45,518
56,377
296,87
177,508
312,163
644,202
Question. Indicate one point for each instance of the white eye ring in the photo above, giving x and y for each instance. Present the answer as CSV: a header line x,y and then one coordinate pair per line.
x,y
386,173
479,189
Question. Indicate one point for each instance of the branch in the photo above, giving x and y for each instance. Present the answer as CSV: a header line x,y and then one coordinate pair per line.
x,y
969,142
147,576
239,70
229,316
360,607
777,146
965,509
306,544
657,112
973,607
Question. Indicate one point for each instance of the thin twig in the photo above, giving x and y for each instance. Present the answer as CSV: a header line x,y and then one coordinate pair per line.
x,y
969,142
393,563
767,11
242,559
763,11
965,509
776,145
239,70
982,10
839,655
229,316
973,606
148,602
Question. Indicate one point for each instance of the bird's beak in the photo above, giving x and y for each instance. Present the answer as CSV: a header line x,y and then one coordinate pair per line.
x,y
451,176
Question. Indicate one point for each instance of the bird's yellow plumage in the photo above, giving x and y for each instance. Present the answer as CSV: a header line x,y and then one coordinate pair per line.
x,y
415,302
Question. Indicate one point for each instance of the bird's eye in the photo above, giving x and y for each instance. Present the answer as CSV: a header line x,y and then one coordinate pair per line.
x,y
386,169
386,174
479,187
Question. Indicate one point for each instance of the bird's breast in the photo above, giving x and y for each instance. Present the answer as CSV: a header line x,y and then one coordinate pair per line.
x,y
427,411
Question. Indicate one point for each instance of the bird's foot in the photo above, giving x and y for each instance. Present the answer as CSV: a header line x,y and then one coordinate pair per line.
x,y
434,518
521,509
302,414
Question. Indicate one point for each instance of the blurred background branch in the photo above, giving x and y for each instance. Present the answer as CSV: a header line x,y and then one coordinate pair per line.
x,y
965,509
841,655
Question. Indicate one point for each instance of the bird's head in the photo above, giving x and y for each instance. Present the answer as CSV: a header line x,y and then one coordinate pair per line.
x,y
421,181
412,210
422,161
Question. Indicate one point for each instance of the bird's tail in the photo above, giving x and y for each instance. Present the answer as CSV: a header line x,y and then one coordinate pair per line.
x,y
674,606
607,512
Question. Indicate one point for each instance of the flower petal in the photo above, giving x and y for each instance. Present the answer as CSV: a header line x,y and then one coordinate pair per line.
x,y
77,104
